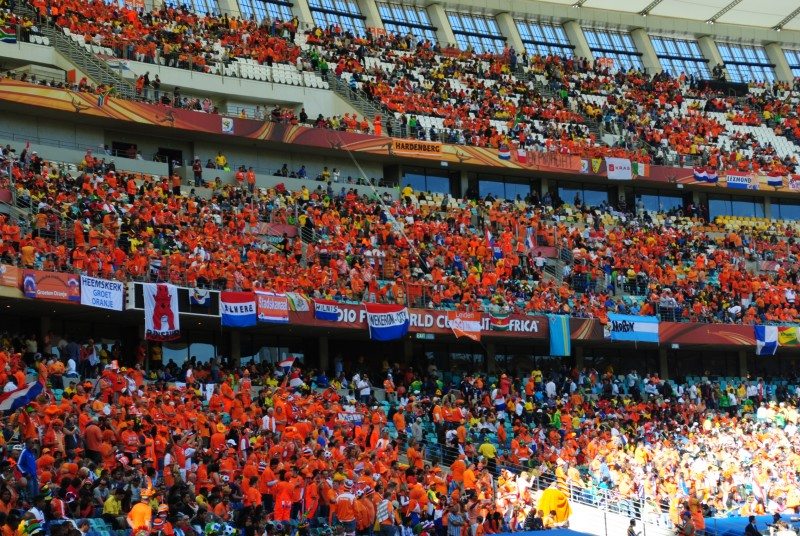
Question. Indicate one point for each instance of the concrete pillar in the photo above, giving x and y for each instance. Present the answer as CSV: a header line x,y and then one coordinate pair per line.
x,y
768,207
710,51
438,17
696,197
370,10
301,10
464,183
663,366
579,359
236,347
743,363
491,362
408,351
645,46
578,40
543,186
324,357
776,56
508,28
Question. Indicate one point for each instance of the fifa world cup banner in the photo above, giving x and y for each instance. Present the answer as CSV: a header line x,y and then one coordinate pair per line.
x,y
53,286
161,317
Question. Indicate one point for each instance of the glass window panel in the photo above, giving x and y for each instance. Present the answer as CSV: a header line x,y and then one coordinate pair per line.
x,y
417,182
491,187
514,189
594,198
787,210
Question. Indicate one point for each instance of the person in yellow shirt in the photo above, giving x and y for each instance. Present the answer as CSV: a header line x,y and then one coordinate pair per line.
x,y
489,451
221,160
112,509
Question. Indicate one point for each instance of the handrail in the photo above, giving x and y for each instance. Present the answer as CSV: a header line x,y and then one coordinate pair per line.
x,y
79,55
605,500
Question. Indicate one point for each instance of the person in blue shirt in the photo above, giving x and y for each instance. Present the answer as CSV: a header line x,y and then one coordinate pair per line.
x,y
27,466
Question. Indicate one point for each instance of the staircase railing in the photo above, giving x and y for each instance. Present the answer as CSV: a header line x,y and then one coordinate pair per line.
x,y
85,61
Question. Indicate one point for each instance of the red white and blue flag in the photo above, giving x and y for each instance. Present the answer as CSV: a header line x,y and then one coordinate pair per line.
x,y
700,174
287,362
387,322
238,309
327,310
775,180
504,152
10,402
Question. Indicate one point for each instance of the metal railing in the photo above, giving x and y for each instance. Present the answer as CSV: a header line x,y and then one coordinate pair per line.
x,y
602,501
86,61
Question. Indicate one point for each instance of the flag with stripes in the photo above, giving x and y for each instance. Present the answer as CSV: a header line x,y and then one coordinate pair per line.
x,y
8,34
10,402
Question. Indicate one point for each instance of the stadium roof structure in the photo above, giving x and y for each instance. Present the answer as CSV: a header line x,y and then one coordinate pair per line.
x,y
771,14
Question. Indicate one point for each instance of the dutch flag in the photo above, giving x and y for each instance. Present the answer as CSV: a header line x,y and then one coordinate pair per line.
x,y
700,174
288,362
775,180
504,153
711,176
10,402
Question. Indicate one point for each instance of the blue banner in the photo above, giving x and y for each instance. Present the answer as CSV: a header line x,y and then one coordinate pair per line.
x,y
560,342
632,328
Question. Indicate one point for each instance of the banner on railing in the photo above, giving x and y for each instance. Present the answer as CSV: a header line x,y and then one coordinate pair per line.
x,y
102,293
10,276
632,328
466,324
417,147
162,320
54,286
619,169
741,182
272,307
387,322
788,336
238,309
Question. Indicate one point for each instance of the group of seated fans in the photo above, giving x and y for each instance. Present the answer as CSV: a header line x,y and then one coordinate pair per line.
x,y
476,99
468,254
218,449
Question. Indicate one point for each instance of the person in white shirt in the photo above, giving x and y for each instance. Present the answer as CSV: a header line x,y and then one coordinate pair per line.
x,y
550,389
364,389
268,422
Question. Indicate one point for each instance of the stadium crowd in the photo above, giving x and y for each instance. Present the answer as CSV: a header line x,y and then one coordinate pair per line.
x,y
466,254
271,451
437,92
208,448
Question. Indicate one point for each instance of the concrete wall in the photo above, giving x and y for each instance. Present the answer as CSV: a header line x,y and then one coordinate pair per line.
x,y
267,162
74,156
231,90
68,141
293,185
